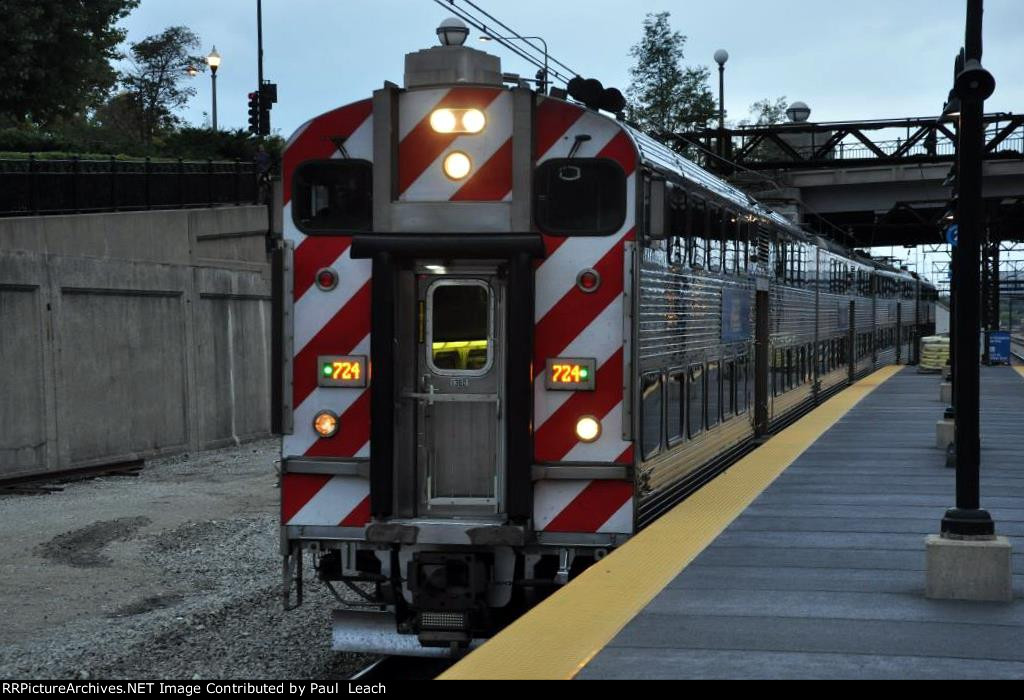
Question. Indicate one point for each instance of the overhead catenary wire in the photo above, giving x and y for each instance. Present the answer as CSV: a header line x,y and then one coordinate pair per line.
x,y
551,59
467,16
480,20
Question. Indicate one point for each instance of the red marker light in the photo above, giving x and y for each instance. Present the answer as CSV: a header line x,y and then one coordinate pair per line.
x,y
588,281
326,279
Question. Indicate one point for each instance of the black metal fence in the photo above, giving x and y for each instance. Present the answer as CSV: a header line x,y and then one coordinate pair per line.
x,y
33,186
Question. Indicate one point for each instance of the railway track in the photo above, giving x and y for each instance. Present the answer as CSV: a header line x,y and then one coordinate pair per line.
x,y
402,668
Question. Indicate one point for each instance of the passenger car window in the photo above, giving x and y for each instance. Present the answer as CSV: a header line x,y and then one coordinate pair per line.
x,y
580,196
650,415
714,238
714,391
674,392
695,401
742,375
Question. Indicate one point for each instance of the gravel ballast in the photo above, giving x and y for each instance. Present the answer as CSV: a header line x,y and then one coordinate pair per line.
x,y
174,574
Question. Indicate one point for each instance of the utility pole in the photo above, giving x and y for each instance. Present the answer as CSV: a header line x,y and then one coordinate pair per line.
x,y
259,41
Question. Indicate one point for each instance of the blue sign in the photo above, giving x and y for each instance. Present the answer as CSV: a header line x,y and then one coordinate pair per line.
x,y
953,234
999,348
736,322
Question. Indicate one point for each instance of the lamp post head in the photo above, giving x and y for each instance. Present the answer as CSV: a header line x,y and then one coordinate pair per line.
x,y
452,32
192,71
798,112
213,60
974,82
721,56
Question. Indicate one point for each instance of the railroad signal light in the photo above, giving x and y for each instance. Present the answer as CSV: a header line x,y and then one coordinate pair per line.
x,y
265,100
254,113
264,125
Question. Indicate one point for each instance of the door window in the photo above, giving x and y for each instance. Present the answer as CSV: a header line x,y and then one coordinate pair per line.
x,y
459,327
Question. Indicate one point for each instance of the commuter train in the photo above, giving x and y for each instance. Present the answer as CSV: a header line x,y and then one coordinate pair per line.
x,y
516,331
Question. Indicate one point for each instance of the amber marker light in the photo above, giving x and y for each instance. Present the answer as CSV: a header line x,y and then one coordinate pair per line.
x,y
325,424
588,429
457,165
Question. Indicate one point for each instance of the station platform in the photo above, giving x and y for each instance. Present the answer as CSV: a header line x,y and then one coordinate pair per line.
x,y
806,559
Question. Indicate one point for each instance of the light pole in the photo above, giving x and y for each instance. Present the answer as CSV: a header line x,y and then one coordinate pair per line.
x,y
542,76
973,86
721,57
213,61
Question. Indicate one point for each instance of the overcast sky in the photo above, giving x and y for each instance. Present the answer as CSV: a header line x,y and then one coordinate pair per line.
x,y
847,60
869,59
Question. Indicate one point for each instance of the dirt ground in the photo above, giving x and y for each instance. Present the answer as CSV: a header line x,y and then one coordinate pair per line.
x,y
171,574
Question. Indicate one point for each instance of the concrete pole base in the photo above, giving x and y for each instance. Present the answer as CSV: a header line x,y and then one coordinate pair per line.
x,y
946,393
979,570
945,430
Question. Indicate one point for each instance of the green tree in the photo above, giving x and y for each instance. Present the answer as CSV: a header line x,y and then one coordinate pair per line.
x,y
155,82
664,96
56,57
768,111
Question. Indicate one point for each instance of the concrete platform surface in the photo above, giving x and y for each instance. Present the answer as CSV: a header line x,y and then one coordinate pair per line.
x,y
823,576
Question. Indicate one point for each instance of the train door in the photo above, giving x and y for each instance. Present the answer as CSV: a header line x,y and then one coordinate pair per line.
x,y
460,367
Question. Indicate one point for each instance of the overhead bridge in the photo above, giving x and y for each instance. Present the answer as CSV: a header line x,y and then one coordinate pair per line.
x,y
870,183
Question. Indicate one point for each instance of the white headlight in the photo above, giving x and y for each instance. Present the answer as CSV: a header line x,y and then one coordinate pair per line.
x,y
442,121
588,429
457,165
473,121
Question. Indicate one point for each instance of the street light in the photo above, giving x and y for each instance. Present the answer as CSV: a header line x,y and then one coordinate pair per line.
x,y
721,57
542,76
973,85
798,112
213,61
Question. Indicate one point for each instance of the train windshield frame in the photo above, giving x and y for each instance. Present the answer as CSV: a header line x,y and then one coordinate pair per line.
x,y
333,196
580,196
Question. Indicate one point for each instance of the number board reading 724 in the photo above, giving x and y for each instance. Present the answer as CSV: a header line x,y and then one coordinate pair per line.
x,y
571,374
341,371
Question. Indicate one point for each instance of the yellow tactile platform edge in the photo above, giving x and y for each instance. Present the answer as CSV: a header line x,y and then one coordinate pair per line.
x,y
1020,370
556,639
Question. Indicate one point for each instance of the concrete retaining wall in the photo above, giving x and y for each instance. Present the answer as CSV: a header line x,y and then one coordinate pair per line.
x,y
131,335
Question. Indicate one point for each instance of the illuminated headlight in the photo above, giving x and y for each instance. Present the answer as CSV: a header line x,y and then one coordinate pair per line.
x,y
588,429
443,121
473,121
457,165
457,121
325,424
